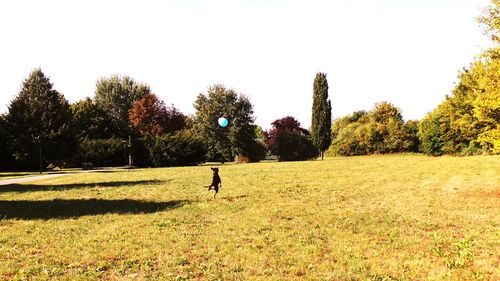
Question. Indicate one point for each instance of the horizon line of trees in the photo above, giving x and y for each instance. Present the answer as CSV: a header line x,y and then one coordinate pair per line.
x,y
468,121
126,123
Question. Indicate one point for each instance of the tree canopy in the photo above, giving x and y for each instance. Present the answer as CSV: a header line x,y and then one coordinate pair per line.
x,y
116,95
239,137
491,20
91,121
382,130
468,121
150,116
39,118
289,142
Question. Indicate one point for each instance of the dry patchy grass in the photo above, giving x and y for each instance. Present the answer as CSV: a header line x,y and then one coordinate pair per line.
x,y
399,217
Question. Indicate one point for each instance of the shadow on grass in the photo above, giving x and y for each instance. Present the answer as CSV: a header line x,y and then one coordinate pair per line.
x,y
55,187
64,209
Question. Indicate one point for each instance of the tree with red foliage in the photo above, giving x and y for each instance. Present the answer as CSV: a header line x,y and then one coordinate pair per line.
x,y
289,142
287,123
150,116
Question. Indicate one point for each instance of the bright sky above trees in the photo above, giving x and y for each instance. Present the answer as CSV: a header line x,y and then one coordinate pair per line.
x,y
404,51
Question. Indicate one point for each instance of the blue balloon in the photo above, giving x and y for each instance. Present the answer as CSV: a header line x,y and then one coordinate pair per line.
x,y
223,122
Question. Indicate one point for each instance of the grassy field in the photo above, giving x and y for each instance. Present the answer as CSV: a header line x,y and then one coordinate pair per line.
x,y
13,175
399,217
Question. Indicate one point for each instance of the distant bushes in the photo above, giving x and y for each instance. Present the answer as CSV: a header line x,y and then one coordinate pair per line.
x,y
381,130
255,152
292,146
102,152
180,149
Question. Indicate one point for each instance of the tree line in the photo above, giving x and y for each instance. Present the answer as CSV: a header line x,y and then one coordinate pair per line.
x,y
126,123
466,123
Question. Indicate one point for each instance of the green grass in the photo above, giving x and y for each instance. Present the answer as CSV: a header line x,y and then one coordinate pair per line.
x,y
399,217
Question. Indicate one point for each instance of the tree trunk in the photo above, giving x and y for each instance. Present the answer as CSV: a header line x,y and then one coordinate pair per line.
x,y
40,156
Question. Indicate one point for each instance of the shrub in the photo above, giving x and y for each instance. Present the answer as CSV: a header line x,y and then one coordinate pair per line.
x,y
429,133
180,149
102,152
292,146
352,140
257,151
473,149
490,141
381,130
140,151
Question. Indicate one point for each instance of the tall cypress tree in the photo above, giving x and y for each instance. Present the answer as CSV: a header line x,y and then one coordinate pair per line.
x,y
321,114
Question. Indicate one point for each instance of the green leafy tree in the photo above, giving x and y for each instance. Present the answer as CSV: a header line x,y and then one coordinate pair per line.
x,y
238,138
321,114
115,96
487,102
411,129
243,134
91,121
353,139
260,134
384,112
340,123
430,133
382,130
468,121
39,120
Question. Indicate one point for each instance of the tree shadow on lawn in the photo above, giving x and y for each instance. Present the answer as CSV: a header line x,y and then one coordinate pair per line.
x,y
56,187
74,208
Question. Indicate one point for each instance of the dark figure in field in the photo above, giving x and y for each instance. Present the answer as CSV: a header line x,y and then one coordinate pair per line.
x,y
216,182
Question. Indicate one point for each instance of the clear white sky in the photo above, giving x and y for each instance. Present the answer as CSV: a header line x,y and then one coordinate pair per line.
x,y
407,52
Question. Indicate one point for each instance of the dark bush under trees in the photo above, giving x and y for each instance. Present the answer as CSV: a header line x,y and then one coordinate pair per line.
x,y
180,149
289,142
292,146
102,152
